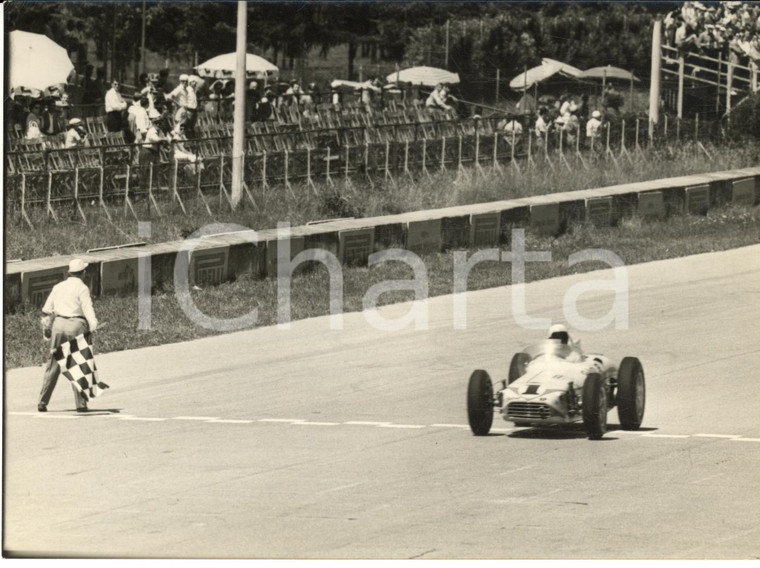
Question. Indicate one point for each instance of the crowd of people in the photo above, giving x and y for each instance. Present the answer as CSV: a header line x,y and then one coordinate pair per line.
x,y
727,29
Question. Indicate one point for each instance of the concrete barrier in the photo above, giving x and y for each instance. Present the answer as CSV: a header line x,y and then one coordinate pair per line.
x,y
697,199
227,256
599,211
743,192
651,204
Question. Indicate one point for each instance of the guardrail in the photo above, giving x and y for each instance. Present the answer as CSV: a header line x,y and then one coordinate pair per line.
x,y
219,258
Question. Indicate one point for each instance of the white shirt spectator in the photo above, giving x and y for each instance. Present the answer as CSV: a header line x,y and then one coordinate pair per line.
x,y
184,97
541,127
138,121
73,138
593,127
114,101
71,298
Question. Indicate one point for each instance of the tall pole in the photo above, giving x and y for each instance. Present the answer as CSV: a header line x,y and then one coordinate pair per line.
x,y
448,26
238,133
142,41
654,87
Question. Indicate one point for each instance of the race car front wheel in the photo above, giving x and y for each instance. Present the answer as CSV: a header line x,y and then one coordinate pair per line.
x,y
631,393
480,403
594,406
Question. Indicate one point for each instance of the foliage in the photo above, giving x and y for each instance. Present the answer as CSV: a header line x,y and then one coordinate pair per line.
x,y
482,36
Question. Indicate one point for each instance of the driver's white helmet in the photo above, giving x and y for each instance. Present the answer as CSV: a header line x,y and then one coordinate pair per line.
x,y
559,331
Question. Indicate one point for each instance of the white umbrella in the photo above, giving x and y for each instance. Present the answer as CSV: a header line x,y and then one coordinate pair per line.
x,y
548,68
36,62
609,72
535,75
564,68
223,67
428,76
354,85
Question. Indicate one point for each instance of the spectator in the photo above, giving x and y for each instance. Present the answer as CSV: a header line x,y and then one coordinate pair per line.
x,y
252,97
33,122
571,125
294,92
511,127
437,99
593,130
162,81
191,162
49,118
137,118
92,87
148,91
184,97
76,134
526,104
150,147
541,127
115,106
264,107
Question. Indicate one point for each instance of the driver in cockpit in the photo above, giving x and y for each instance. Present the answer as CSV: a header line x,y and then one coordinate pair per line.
x,y
560,333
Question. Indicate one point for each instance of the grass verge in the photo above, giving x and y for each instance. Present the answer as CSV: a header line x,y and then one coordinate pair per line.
x,y
358,199
635,241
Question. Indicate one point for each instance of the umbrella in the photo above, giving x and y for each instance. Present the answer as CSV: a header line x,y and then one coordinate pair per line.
x,y
354,85
223,67
565,69
427,76
36,62
608,72
535,75
548,68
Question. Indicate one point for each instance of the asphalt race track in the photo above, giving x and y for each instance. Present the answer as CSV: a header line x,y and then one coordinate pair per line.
x,y
353,443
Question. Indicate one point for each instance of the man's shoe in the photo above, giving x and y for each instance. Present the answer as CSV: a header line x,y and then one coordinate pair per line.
x,y
41,408
82,409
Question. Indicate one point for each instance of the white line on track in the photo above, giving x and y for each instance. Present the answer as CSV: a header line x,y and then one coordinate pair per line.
x,y
725,436
370,423
665,436
145,419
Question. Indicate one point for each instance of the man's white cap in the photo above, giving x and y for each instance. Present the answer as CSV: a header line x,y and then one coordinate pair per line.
x,y
77,265
75,121
183,77
557,328
596,114
154,114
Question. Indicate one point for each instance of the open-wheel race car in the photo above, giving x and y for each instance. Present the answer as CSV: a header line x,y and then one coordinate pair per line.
x,y
553,383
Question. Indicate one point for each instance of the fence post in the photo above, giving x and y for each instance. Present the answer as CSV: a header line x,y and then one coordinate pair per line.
x,y
23,201
443,153
681,71
76,194
49,192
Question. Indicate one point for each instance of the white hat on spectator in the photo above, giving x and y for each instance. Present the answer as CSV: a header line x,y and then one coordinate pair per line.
x,y
154,114
183,77
77,265
596,114
75,122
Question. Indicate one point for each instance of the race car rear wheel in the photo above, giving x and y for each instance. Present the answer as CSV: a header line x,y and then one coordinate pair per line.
x,y
480,403
517,366
594,406
631,393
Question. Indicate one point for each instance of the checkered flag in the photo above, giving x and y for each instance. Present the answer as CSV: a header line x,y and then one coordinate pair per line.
x,y
77,363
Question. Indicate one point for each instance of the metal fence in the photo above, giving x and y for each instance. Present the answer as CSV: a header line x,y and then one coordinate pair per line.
x,y
307,159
